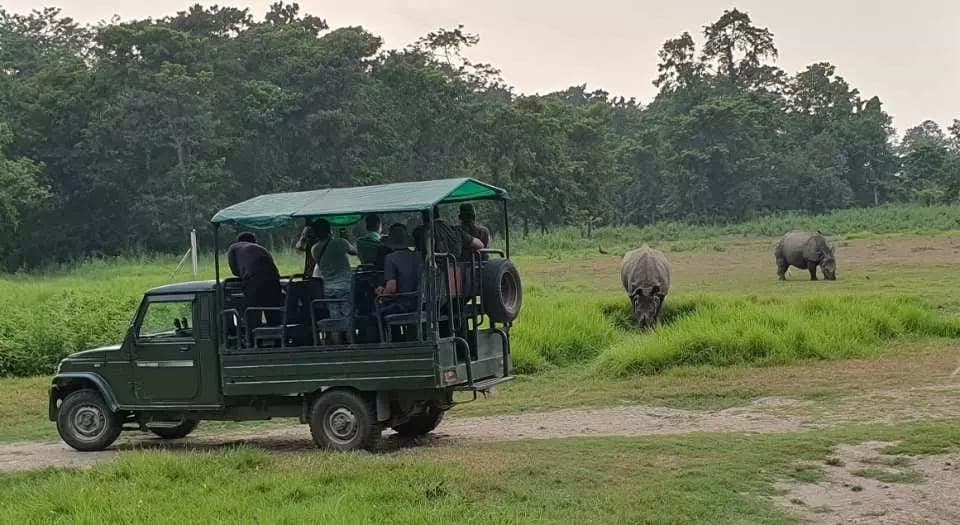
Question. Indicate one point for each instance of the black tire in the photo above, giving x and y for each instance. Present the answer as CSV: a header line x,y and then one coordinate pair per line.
x,y
182,430
343,420
86,423
502,290
421,424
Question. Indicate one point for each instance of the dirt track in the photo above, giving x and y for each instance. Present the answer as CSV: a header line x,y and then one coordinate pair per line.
x,y
620,421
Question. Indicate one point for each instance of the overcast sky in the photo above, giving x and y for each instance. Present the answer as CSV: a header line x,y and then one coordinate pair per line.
x,y
907,52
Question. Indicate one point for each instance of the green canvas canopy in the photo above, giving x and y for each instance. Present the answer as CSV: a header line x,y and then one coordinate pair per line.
x,y
346,206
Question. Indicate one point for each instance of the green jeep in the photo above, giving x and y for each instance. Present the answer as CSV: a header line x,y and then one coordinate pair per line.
x,y
195,352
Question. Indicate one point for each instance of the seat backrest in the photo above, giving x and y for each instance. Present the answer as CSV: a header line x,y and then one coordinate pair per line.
x,y
365,282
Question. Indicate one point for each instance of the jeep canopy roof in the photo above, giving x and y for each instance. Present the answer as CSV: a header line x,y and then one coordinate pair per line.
x,y
346,206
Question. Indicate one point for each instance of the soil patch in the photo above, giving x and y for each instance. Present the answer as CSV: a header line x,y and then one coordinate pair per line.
x,y
619,421
863,485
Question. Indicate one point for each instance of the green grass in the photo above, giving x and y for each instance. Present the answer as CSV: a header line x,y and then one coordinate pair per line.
x,y
720,478
23,410
724,331
47,315
559,330
889,476
851,224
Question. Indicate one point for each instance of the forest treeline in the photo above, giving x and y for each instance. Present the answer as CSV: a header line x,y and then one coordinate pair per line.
x,y
125,135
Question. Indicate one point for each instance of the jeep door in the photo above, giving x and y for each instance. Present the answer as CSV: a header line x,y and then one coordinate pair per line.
x,y
165,356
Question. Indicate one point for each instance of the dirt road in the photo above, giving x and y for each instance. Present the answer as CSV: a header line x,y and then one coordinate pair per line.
x,y
619,421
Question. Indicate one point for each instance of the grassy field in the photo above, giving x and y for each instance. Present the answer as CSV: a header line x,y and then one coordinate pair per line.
x,y
839,225
718,478
877,345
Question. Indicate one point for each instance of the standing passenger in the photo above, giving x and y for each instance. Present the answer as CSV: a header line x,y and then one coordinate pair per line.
x,y
333,266
452,239
468,223
370,247
259,277
308,237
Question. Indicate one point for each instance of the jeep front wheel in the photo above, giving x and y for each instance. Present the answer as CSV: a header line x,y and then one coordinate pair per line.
x,y
86,423
343,420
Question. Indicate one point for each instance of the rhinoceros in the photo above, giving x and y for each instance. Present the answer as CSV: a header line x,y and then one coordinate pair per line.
x,y
645,274
806,251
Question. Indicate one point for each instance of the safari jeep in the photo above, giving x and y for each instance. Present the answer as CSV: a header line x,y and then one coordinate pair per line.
x,y
197,350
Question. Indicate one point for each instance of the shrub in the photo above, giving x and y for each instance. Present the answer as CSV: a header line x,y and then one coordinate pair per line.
x,y
560,330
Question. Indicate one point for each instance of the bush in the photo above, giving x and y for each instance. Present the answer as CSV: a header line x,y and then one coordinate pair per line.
x,y
723,332
560,330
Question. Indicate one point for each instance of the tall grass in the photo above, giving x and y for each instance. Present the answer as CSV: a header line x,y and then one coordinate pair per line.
x,y
901,219
48,314
724,331
65,309
560,330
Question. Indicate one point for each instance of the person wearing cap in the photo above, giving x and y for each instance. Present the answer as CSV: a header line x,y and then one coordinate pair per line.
x,y
401,272
468,223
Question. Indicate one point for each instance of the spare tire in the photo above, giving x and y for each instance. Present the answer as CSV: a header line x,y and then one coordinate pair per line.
x,y
502,290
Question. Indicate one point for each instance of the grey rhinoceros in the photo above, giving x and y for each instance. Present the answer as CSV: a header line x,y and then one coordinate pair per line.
x,y
645,274
806,251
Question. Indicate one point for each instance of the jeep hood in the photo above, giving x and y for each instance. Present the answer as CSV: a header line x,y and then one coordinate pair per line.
x,y
94,353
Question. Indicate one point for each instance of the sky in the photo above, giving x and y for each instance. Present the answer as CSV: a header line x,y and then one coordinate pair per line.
x,y
907,53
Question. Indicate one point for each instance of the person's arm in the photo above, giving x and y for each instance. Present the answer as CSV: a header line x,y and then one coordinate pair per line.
x,y
390,276
470,241
390,288
304,243
232,262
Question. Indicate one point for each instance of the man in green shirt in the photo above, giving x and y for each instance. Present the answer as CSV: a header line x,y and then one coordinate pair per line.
x,y
370,247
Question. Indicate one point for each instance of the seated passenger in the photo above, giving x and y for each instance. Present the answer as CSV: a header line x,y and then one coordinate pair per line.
x,y
333,266
259,277
370,247
402,270
453,239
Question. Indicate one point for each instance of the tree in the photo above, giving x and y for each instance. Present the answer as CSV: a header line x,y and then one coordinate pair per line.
x,y
737,50
20,191
137,131
930,171
678,67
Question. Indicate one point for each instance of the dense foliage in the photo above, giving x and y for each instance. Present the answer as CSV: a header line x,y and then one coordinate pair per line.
x,y
124,136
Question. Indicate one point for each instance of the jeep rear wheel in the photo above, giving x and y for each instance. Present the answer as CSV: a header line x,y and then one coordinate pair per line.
x,y
343,420
175,429
86,423
421,424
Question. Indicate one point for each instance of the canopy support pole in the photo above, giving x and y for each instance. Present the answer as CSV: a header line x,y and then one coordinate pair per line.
x,y
506,229
218,290
216,252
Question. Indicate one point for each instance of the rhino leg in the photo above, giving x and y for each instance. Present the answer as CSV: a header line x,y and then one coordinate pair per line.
x,y
782,266
813,271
